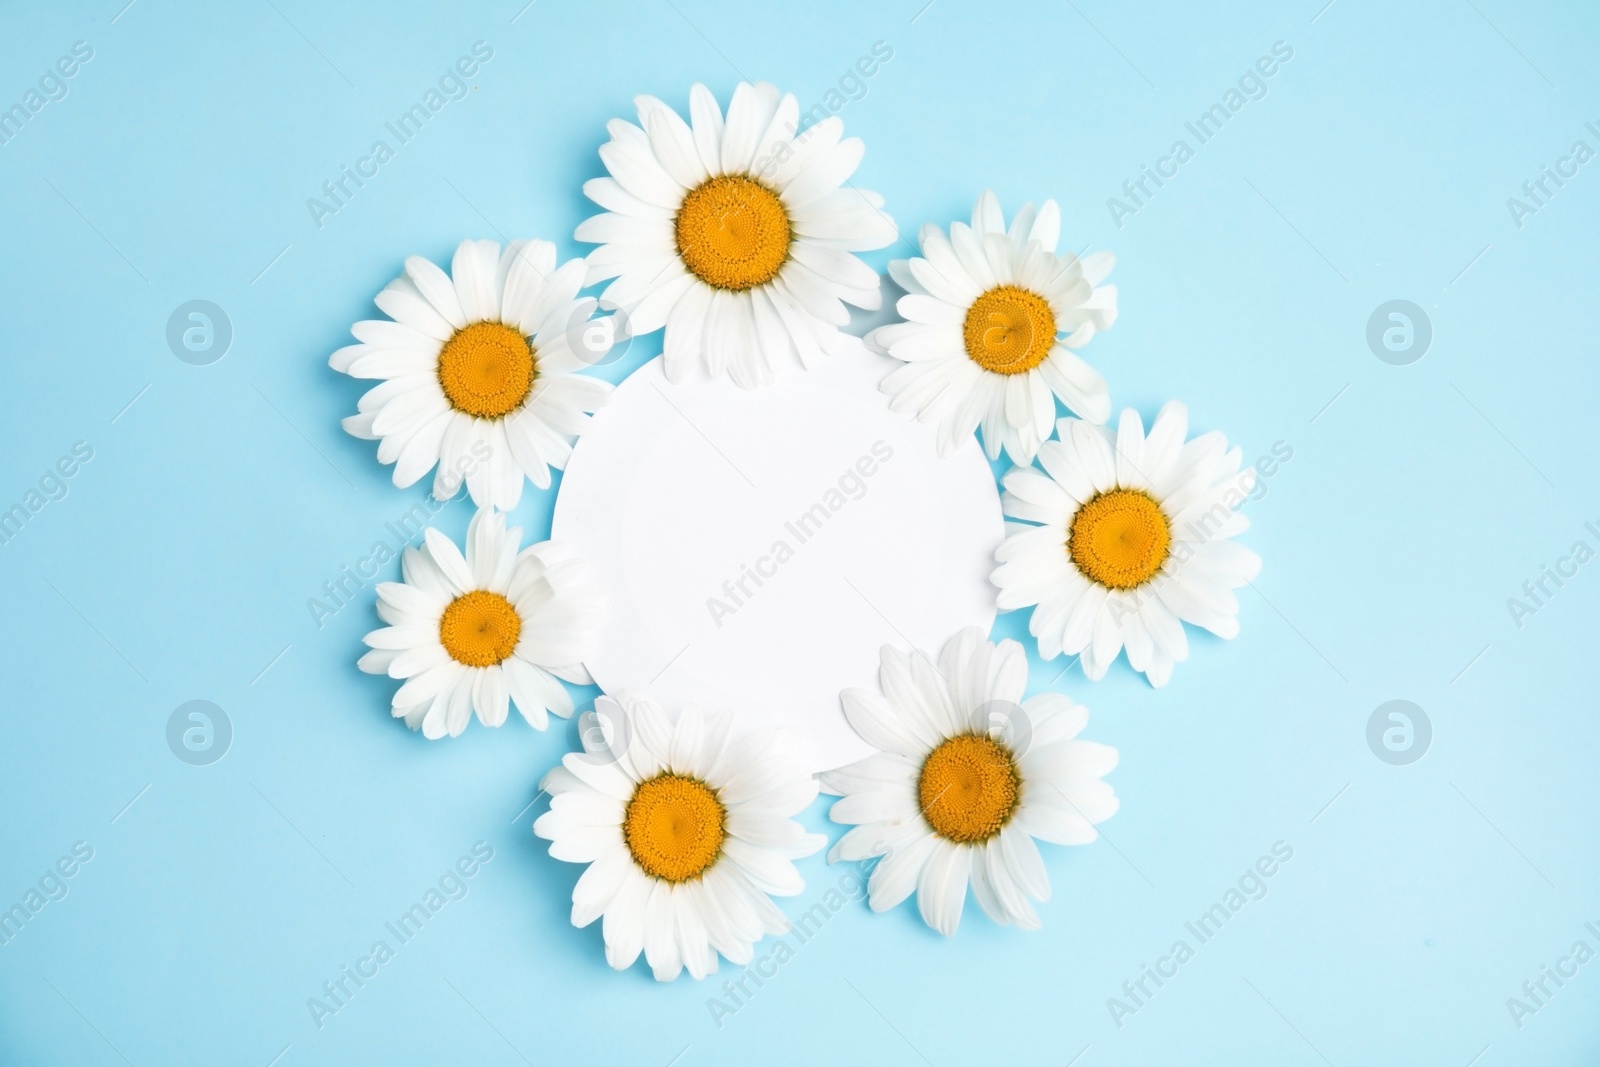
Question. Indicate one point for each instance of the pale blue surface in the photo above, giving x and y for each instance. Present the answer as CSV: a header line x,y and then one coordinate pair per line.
x,y
1376,167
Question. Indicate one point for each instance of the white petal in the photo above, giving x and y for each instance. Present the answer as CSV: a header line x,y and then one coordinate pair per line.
x,y
942,886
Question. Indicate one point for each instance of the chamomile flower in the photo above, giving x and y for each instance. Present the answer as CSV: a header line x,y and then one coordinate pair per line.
x,y
735,234
1133,541
993,321
477,633
685,833
946,802
479,375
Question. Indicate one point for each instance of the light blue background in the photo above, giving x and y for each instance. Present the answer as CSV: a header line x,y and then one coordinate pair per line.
x,y
180,563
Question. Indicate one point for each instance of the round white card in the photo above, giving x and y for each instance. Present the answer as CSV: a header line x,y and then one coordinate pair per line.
x,y
757,547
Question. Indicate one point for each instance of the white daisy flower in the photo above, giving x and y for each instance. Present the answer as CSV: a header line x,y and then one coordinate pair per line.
x,y
478,373
475,633
947,801
1133,542
685,834
735,235
993,319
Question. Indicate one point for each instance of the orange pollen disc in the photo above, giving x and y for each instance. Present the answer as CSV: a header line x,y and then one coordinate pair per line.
x,y
487,369
733,232
969,788
1120,539
674,826
1009,330
480,628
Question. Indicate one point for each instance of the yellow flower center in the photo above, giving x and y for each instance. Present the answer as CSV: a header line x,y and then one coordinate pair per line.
x,y
969,788
674,826
1009,330
733,232
479,628
487,369
1120,539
